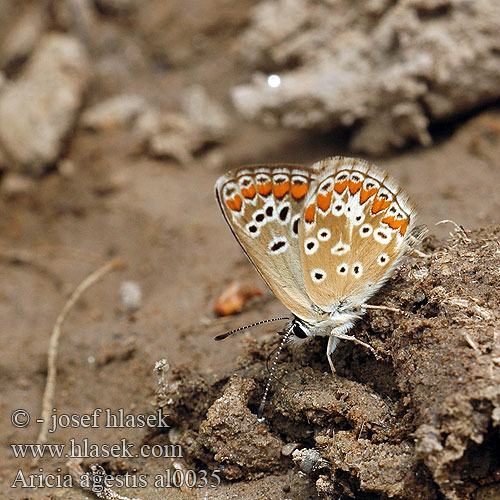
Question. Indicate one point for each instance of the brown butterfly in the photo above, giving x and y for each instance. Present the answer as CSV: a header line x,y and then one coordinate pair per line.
x,y
325,238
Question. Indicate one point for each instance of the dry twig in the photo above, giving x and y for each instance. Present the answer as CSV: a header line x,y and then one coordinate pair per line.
x,y
48,394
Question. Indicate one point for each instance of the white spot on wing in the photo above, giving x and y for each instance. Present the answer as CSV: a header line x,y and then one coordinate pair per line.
x,y
354,211
357,270
259,217
340,248
250,229
338,207
382,259
342,269
382,235
318,275
267,207
324,234
311,245
277,245
365,230
281,210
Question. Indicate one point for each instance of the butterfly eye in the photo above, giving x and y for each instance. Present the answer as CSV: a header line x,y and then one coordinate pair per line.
x,y
298,331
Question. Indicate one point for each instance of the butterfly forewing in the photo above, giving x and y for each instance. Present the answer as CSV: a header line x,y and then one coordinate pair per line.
x,y
263,206
354,231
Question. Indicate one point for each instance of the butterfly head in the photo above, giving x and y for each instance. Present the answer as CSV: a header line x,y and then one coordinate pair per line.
x,y
298,330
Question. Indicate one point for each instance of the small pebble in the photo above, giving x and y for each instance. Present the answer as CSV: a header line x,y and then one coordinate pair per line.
x,y
131,295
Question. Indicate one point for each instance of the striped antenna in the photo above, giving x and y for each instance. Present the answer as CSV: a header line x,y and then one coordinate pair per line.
x,y
262,406
223,336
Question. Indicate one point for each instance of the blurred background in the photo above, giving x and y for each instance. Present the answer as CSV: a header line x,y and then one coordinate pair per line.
x,y
117,117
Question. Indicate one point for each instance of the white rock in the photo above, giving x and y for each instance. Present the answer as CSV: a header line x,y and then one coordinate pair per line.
x,y
23,35
205,113
172,145
14,184
389,69
131,295
38,110
117,111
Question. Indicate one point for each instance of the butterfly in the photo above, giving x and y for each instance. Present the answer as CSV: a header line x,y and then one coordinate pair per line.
x,y
324,238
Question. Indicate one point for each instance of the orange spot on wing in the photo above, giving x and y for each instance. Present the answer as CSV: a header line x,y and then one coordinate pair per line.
x,y
310,211
280,190
235,203
298,191
401,224
379,205
264,189
354,187
324,201
249,192
366,193
340,186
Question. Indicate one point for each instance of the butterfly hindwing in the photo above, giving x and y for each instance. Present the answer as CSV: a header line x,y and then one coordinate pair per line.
x,y
353,233
263,206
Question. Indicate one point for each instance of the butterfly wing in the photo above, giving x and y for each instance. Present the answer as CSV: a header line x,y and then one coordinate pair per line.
x,y
355,230
262,205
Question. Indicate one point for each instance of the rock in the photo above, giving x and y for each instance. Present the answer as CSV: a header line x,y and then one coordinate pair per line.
x,y
173,145
14,185
38,110
173,135
204,113
23,35
309,460
117,111
131,295
387,70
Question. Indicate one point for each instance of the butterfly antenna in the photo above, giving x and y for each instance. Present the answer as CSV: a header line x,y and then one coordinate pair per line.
x,y
271,376
223,336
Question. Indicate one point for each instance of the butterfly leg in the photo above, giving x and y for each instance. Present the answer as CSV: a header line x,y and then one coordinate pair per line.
x,y
385,308
333,342
382,308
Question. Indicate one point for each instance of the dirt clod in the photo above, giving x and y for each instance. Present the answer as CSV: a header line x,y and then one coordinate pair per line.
x,y
418,421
